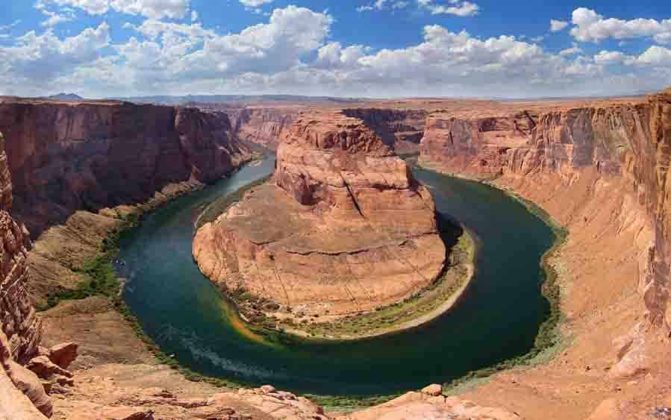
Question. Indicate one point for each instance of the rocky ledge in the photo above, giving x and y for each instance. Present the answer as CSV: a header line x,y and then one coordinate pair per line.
x,y
340,230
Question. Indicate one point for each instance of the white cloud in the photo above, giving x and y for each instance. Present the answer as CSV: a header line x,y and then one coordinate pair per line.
x,y
333,56
571,51
655,56
610,57
255,3
384,4
557,25
5,29
592,27
155,9
172,52
452,7
39,59
54,18
291,53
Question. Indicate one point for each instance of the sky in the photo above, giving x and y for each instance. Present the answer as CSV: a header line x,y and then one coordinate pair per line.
x,y
347,48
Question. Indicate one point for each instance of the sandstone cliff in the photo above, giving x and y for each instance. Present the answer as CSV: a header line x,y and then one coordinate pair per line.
x,y
343,227
600,169
400,129
21,390
628,139
262,125
68,156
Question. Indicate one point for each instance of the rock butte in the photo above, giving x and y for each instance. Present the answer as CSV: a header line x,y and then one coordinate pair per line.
x,y
342,228
598,167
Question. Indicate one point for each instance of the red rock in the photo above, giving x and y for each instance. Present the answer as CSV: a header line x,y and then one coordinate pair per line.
x,y
28,383
433,390
68,156
127,413
629,138
400,129
63,354
267,389
45,368
262,125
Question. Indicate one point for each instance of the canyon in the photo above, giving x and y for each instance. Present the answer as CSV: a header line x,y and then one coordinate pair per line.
x,y
73,172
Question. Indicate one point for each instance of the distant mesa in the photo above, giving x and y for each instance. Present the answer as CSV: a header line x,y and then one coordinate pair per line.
x,y
66,97
232,99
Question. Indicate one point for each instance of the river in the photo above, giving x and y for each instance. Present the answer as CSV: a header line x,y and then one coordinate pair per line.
x,y
498,318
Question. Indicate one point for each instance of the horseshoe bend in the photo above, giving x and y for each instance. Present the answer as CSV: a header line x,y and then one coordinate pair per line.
x,y
342,229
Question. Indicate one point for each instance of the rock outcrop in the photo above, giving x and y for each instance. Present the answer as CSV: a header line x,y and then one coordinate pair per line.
x,y
17,316
479,145
599,169
65,156
343,228
523,138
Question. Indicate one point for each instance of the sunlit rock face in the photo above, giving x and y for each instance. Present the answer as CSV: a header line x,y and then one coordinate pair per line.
x,y
22,394
341,228
621,138
65,156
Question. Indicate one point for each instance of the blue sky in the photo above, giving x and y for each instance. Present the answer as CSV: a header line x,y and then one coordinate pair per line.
x,y
378,48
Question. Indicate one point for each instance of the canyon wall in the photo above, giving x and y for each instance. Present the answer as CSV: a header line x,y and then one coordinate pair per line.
x,y
263,126
625,138
400,129
20,327
68,156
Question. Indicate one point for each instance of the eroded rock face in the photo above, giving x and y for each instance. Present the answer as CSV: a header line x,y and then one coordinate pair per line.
x,y
400,129
342,228
19,323
19,327
262,125
629,139
68,156
479,144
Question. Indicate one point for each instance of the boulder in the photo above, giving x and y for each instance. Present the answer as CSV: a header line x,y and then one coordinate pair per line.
x,y
63,354
433,390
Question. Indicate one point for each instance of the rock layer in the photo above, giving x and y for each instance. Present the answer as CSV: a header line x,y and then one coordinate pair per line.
x,y
68,156
342,228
